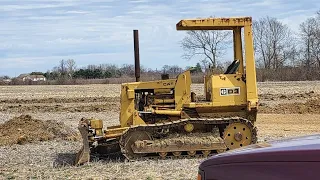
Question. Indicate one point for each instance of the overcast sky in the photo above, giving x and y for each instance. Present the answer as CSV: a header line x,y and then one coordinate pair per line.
x,y
36,34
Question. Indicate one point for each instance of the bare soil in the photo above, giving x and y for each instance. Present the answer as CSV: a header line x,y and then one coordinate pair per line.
x,y
24,129
308,107
287,109
108,104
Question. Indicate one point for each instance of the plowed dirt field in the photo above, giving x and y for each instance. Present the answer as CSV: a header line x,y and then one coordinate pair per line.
x,y
39,138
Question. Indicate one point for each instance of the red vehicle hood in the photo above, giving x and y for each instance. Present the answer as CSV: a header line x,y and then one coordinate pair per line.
x,y
299,149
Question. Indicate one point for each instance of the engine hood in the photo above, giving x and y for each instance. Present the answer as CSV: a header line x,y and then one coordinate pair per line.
x,y
305,148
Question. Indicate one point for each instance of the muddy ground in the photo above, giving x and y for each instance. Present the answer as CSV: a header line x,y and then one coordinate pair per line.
x,y
287,109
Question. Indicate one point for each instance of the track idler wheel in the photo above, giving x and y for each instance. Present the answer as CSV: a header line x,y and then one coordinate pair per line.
x,y
128,141
238,134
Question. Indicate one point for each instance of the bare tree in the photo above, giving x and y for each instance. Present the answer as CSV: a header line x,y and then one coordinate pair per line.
x,y
306,35
210,45
316,43
62,68
310,38
273,42
174,70
204,65
92,67
127,69
112,68
71,67
292,55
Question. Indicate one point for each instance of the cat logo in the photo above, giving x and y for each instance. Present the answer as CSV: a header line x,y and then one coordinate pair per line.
x,y
167,83
230,91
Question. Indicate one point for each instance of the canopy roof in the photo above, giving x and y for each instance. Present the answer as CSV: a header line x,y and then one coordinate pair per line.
x,y
213,23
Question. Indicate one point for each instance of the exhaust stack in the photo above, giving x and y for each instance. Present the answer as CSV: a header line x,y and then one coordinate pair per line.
x,y
136,55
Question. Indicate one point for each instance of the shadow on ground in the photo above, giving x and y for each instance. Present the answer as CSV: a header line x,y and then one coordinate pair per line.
x,y
68,159
64,159
106,158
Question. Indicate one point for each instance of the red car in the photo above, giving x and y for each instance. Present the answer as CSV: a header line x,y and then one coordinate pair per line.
x,y
294,158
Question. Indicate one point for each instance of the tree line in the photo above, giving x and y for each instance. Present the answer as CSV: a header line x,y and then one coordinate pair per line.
x,y
67,69
277,48
280,54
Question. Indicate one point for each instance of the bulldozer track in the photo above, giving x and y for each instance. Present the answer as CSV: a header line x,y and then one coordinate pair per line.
x,y
119,155
153,128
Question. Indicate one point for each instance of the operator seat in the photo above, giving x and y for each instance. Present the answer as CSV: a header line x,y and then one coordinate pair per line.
x,y
233,67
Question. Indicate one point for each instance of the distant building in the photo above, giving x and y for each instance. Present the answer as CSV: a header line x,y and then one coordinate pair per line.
x,y
21,76
7,80
34,78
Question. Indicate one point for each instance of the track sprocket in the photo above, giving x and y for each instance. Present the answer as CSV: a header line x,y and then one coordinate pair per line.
x,y
239,134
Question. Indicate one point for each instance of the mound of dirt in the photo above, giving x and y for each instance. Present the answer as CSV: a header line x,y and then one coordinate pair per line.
x,y
24,129
309,107
295,96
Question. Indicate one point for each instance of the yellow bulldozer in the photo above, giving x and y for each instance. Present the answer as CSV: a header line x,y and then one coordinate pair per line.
x,y
160,119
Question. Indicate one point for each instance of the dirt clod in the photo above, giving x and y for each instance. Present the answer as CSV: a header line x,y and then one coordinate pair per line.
x,y
24,129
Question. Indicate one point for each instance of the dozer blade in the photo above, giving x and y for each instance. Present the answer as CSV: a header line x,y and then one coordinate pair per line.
x,y
83,155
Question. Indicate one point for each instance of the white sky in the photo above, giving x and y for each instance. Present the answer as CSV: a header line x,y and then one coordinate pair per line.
x,y
36,34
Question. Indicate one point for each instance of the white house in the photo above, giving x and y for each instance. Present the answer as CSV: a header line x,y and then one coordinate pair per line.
x,y
34,78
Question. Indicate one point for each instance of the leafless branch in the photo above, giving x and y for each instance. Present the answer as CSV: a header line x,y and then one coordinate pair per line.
x,y
210,45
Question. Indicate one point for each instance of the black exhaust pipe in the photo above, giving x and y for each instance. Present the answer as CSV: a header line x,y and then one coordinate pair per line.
x,y
136,55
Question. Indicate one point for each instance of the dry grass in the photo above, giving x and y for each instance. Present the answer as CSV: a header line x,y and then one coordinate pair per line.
x,y
42,160
59,91
53,159
112,90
